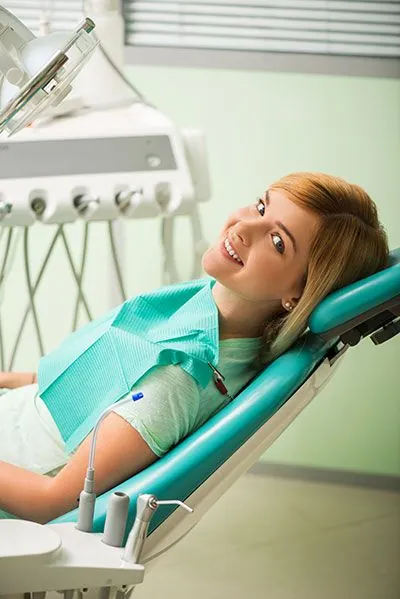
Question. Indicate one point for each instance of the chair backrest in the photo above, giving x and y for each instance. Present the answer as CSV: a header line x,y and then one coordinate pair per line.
x,y
367,307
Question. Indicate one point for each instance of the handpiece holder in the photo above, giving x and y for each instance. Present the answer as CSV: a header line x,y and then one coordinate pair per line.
x,y
146,507
86,205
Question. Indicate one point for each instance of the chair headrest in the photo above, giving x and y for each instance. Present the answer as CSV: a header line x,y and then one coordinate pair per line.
x,y
363,306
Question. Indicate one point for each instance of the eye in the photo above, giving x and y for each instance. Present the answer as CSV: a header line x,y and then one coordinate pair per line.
x,y
260,206
278,243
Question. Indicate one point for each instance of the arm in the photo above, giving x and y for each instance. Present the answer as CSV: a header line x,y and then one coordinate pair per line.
x,y
120,453
12,380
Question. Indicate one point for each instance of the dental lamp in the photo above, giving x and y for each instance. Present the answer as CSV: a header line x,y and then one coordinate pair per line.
x,y
36,73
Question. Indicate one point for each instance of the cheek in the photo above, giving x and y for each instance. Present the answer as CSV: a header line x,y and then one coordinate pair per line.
x,y
266,263
269,276
209,261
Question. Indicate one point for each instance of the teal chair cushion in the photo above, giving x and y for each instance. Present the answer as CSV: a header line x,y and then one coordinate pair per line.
x,y
348,303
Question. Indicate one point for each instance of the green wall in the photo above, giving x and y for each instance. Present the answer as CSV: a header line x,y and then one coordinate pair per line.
x,y
260,126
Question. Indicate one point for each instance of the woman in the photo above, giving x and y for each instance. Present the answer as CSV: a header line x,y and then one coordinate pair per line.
x,y
274,261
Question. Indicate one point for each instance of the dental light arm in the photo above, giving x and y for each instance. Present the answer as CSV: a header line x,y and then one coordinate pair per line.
x,y
36,73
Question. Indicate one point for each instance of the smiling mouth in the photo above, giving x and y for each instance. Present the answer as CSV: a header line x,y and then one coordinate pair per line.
x,y
231,253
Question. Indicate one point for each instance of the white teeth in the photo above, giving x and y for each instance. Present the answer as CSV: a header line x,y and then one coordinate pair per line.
x,y
231,251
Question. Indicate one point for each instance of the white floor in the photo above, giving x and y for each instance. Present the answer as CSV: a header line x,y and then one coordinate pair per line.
x,y
271,538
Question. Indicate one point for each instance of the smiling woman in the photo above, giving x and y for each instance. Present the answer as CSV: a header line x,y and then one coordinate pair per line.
x,y
309,234
272,263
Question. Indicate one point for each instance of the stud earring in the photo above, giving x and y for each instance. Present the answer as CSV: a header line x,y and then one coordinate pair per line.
x,y
288,306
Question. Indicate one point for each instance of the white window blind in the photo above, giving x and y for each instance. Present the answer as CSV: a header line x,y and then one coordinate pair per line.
x,y
292,28
64,15
341,27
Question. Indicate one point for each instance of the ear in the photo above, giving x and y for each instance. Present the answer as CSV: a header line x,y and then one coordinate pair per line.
x,y
288,304
291,301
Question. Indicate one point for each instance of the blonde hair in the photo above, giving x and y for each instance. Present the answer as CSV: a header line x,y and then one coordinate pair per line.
x,y
350,244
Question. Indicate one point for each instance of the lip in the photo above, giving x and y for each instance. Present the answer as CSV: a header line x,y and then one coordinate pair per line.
x,y
227,255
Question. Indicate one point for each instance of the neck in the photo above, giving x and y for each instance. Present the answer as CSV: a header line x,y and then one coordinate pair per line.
x,y
239,317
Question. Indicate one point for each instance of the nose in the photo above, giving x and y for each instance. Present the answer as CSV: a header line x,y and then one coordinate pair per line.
x,y
247,229
240,232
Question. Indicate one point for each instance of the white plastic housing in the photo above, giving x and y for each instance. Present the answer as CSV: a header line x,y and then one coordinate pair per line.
x,y
171,190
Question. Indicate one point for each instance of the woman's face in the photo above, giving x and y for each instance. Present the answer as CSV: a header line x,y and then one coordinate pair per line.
x,y
262,252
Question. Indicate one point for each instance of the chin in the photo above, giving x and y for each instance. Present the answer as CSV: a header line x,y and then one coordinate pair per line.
x,y
217,266
214,270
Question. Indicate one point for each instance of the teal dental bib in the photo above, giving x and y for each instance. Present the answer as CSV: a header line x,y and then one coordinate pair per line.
x,y
99,364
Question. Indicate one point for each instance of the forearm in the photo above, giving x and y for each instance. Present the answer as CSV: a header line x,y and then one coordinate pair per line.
x,y
13,380
120,453
28,495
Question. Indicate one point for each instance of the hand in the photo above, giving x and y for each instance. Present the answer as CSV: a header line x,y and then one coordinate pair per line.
x,y
13,380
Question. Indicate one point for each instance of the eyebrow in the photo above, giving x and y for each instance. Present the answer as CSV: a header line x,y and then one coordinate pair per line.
x,y
281,225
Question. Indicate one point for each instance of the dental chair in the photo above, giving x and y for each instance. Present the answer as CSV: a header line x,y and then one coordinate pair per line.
x,y
204,465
